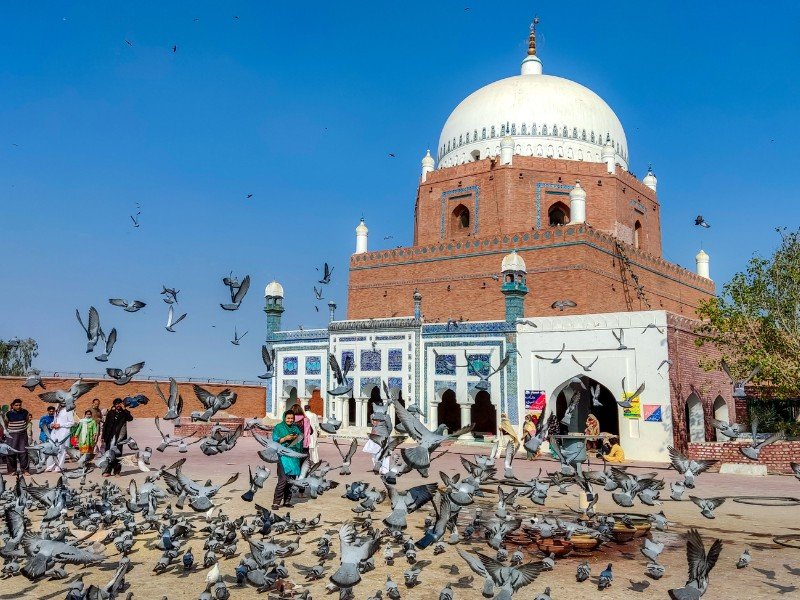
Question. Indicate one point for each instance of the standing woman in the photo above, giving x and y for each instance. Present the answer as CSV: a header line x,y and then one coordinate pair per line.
x,y
505,434
288,435
311,440
60,433
528,431
301,420
592,429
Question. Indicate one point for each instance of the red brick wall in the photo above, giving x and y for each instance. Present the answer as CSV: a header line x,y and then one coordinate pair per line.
x,y
251,400
565,262
776,456
686,373
507,198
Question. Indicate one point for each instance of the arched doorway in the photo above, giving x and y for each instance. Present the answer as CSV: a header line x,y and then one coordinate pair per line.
x,y
721,414
695,419
315,402
607,413
483,415
291,400
374,398
351,412
460,218
449,411
558,214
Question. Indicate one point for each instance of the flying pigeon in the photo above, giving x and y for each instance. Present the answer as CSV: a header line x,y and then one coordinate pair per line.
x,y
110,341
129,306
700,565
237,290
121,377
171,321
93,332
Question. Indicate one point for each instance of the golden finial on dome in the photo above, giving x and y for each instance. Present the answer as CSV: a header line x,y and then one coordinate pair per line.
x,y
532,38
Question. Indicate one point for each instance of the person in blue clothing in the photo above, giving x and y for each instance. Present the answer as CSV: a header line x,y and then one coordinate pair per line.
x,y
45,421
289,435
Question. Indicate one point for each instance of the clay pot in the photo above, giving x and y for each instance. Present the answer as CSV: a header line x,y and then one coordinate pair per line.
x,y
555,546
584,543
622,534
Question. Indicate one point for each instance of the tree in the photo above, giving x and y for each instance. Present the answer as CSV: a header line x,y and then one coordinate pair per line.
x,y
755,321
16,356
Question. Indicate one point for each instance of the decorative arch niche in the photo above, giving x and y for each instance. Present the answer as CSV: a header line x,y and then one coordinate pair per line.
x,y
558,214
460,219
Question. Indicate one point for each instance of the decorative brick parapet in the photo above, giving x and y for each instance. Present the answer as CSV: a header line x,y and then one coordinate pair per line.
x,y
776,457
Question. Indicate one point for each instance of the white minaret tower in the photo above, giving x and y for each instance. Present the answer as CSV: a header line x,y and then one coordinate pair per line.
x,y
607,155
650,179
361,237
506,150
701,261
428,165
577,204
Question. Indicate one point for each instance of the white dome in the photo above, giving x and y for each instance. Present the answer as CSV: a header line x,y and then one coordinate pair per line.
x,y
274,289
427,160
362,228
545,115
513,262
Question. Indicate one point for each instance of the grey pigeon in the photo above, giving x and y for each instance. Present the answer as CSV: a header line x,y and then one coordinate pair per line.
x,y
238,291
346,458
331,424
351,552
43,554
754,449
707,505
343,384
268,357
68,399
172,321
583,572
110,341
652,549
731,430
174,402
688,468
121,377
213,403
700,565
93,332
273,450
32,380
744,560
654,570
132,306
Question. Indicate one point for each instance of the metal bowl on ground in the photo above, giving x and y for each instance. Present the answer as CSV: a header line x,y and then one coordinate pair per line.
x,y
622,534
555,546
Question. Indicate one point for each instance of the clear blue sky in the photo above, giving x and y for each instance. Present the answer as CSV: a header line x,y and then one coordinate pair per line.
x,y
299,104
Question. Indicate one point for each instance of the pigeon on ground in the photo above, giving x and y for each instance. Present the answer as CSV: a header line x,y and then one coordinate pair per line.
x,y
744,560
43,554
583,572
700,565
256,481
652,549
606,577
351,552
654,570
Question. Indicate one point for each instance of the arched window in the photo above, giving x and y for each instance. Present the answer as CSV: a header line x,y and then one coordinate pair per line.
x,y
483,134
558,214
460,140
460,218
492,130
637,231
524,129
544,129
583,135
476,154
502,129
575,132
513,129
564,131
593,137
475,136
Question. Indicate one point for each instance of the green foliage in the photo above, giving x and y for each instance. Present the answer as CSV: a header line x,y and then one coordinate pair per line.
x,y
755,321
16,359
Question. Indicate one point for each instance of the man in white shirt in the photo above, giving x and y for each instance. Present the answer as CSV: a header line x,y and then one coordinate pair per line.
x,y
59,433
313,423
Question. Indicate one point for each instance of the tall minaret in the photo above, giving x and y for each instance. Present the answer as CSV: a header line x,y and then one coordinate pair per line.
x,y
513,271
428,165
361,237
273,306
532,65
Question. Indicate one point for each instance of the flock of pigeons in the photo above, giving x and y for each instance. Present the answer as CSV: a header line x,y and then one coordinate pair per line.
x,y
170,510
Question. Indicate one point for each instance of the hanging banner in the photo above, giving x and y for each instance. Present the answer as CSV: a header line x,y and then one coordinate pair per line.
x,y
635,409
652,413
535,400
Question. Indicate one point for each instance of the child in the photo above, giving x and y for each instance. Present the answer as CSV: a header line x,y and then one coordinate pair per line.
x,y
87,434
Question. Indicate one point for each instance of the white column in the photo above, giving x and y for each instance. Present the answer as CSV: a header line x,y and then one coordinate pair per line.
x,y
506,150
577,204
466,418
607,155
701,262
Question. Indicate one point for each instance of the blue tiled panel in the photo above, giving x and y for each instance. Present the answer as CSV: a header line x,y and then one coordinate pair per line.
x,y
396,382
445,364
479,364
313,365
395,360
345,354
290,365
370,360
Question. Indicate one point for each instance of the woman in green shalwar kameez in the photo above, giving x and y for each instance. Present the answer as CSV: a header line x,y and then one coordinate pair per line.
x,y
289,435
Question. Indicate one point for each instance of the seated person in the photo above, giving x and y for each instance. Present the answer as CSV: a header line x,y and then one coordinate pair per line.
x,y
614,452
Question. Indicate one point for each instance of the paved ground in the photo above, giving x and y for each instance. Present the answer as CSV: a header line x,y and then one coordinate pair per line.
x,y
775,571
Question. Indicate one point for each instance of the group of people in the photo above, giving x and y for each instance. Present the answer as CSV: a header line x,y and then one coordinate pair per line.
x,y
298,431
89,435
606,446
